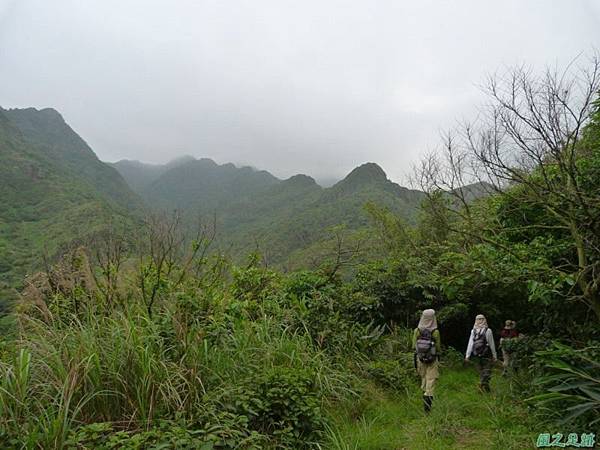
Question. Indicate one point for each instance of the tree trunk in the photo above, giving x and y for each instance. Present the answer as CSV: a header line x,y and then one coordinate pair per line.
x,y
592,298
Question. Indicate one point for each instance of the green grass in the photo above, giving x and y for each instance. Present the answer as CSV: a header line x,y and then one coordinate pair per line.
x,y
462,418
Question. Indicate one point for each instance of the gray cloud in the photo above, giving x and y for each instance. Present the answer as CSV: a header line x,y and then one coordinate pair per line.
x,y
312,86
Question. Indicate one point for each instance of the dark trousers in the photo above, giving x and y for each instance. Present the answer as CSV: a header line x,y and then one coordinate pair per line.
x,y
484,367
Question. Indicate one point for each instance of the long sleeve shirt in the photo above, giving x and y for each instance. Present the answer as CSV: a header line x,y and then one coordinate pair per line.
x,y
489,335
436,340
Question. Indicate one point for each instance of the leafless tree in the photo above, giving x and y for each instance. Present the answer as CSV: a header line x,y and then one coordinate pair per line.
x,y
340,251
167,253
529,134
68,277
108,251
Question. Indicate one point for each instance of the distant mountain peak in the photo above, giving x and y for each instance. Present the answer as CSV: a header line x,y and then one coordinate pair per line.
x,y
300,180
49,114
366,173
475,190
129,162
175,162
180,160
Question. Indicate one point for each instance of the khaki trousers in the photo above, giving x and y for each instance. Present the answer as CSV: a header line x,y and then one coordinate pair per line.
x,y
429,373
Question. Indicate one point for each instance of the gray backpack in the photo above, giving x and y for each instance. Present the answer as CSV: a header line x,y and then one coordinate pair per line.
x,y
480,343
425,346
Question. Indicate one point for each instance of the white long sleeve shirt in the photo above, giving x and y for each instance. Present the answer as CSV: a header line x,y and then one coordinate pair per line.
x,y
490,340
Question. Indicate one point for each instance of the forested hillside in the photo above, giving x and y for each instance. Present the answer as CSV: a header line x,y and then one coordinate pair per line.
x,y
53,191
284,219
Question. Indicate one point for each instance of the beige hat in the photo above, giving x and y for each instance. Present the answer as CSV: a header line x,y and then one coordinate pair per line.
x,y
510,324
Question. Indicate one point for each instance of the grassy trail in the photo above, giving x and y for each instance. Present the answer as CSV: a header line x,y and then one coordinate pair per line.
x,y
462,418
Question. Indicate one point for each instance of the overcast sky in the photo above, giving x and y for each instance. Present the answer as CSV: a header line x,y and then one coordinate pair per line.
x,y
300,86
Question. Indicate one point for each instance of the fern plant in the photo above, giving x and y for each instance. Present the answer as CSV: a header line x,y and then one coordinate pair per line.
x,y
571,384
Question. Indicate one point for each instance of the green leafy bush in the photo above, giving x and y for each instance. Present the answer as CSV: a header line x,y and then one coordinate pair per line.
x,y
393,374
283,403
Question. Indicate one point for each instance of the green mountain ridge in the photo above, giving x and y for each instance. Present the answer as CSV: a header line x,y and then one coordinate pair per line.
x,y
47,131
53,191
255,208
140,175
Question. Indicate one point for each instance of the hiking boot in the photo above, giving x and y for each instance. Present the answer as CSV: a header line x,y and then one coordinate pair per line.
x,y
427,402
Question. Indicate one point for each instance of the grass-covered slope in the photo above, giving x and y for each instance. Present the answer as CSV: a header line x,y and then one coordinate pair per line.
x,y
53,191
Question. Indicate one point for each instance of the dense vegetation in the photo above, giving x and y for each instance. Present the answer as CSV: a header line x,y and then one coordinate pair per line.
x,y
160,340
173,349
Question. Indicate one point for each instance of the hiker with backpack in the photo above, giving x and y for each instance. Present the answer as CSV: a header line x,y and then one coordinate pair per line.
x,y
427,345
507,335
481,346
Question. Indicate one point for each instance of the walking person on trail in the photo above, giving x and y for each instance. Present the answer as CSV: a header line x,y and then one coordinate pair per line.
x,y
427,344
481,346
508,332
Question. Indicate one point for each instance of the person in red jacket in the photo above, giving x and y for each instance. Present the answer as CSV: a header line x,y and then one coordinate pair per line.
x,y
508,332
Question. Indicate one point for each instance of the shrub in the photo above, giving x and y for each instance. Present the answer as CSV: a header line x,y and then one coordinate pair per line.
x,y
283,403
391,373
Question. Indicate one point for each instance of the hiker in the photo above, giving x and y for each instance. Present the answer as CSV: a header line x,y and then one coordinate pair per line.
x,y
427,344
481,345
508,332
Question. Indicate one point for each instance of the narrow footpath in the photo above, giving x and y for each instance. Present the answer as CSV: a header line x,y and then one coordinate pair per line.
x,y
462,418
